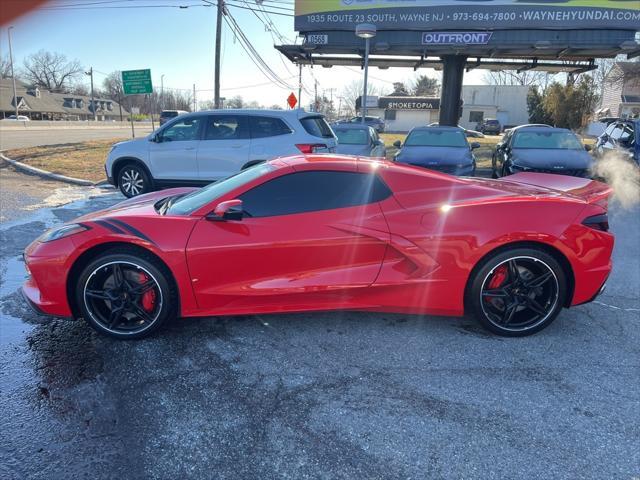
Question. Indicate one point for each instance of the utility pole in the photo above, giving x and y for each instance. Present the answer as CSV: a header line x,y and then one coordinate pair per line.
x,y
93,101
299,85
216,99
195,108
315,103
162,91
13,76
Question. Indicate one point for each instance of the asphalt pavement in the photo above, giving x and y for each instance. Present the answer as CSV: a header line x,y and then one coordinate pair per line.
x,y
31,137
339,395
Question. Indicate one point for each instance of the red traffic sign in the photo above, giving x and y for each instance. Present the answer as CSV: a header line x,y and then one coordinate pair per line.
x,y
292,100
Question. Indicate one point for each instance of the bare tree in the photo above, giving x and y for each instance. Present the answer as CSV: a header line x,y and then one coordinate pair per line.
x,y
51,70
351,92
512,77
5,67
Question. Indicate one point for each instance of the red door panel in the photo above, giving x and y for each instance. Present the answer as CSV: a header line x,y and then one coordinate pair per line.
x,y
288,260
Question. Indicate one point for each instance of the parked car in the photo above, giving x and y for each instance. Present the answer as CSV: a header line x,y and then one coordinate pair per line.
x,y
376,122
444,149
541,149
362,140
467,132
197,148
19,118
490,126
328,233
621,135
167,115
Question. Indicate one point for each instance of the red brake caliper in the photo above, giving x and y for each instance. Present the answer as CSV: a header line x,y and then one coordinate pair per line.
x,y
148,297
499,276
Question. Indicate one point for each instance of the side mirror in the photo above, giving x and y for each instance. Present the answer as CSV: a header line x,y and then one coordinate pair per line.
x,y
229,210
474,145
397,144
156,137
588,148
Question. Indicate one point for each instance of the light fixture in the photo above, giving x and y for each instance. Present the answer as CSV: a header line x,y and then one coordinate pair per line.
x,y
366,30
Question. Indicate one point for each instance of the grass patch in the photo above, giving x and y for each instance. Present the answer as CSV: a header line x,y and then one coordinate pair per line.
x,y
83,160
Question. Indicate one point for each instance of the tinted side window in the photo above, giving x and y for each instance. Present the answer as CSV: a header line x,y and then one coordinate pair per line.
x,y
183,130
312,191
262,127
317,127
616,132
226,127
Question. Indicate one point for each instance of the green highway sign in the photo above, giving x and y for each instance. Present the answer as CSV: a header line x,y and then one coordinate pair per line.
x,y
136,82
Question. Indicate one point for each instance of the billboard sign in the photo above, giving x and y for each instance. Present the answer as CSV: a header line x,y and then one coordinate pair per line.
x,y
401,103
427,15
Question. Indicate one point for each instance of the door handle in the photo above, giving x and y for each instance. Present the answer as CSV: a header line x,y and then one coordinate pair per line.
x,y
236,146
190,148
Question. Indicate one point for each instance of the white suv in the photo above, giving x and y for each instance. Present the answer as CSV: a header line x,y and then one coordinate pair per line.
x,y
198,148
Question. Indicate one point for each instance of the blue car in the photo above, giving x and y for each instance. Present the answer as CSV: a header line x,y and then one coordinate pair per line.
x,y
620,135
444,149
358,140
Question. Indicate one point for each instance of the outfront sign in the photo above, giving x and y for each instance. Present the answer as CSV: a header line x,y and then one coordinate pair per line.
x,y
136,82
325,15
453,38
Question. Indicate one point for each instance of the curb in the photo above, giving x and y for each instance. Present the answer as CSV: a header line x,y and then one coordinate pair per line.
x,y
50,175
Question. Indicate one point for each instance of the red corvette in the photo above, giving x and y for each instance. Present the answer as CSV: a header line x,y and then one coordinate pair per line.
x,y
326,233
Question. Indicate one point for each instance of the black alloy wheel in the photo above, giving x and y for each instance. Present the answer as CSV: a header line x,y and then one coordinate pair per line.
x,y
125,296
518,293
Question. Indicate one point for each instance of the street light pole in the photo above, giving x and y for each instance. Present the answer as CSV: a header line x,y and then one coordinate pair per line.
x,y
13,76
216,86
366,31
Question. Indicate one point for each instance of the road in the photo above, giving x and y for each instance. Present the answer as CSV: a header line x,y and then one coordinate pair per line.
x,y
36,137
340,395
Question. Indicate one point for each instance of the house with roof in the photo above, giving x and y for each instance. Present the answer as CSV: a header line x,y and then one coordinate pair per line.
x,y
39,104
621,92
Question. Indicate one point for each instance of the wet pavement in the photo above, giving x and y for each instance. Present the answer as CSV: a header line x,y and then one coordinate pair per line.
x,y
323,395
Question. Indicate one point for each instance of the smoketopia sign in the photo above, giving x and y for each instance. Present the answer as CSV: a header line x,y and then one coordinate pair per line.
x,y
409,103
425,15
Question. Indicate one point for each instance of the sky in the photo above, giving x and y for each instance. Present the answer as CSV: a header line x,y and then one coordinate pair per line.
x,y
179,43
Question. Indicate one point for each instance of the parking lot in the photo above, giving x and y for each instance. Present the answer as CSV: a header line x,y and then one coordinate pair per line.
x,y
323,395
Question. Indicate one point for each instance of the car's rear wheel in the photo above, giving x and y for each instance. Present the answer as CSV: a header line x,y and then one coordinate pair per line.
x,y
126,294
517,292
133,180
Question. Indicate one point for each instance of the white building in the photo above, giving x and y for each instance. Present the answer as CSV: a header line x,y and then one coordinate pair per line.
x,y
506,103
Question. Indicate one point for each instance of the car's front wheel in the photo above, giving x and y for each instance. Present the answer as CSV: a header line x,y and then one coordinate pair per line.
x,y
133,180
127,294
517,292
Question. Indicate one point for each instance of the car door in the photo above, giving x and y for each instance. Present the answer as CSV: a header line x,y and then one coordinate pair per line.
x,y
502,152
307,238
377,145
225,146
173,152
270,137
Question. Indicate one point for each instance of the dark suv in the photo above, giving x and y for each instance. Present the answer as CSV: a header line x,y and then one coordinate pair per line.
x,y
490,126
167,115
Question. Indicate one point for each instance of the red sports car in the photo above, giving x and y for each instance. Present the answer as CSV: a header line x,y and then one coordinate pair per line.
x,y
326,233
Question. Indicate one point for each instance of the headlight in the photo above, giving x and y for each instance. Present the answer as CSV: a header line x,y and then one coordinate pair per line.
x,y
62,232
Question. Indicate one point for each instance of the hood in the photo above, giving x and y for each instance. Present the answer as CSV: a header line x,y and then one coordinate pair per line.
x,y
552,158
140,205
435,156
360,150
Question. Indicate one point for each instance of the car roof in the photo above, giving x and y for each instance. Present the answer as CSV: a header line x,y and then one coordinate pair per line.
x,y
437,128
297,113
350,126
544,129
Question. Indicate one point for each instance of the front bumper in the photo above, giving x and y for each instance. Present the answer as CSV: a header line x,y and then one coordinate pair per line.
x,y
577,172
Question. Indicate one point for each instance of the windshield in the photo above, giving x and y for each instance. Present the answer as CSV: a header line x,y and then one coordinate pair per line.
x,y
199,198
352,137
436,138
547,140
